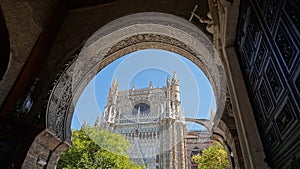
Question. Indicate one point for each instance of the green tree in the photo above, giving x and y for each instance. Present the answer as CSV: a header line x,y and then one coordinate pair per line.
x,y
214,157
93,148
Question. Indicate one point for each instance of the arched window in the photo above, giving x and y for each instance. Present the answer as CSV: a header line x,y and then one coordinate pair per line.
x,y
143,107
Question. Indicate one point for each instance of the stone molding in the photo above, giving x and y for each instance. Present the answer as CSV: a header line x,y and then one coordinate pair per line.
x,y
44,151
251,145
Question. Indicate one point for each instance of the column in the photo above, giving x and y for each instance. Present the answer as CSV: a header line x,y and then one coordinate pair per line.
x,y
170,144
175,140
250,142
182,147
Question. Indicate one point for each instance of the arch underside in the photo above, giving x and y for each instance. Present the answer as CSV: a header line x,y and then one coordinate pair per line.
x,y
123,36
4,46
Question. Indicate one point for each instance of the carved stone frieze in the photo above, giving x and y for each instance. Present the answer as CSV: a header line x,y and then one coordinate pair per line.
x,y
58,98
62,110
141,38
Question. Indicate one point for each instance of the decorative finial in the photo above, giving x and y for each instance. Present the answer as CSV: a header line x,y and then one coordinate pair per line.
x,y
150,85
174,75
168,81
175,79
115,83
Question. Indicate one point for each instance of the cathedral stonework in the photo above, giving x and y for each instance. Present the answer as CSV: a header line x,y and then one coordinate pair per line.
x,y
152,120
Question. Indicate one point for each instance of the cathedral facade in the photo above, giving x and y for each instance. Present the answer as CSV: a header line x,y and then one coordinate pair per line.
x,y
152,120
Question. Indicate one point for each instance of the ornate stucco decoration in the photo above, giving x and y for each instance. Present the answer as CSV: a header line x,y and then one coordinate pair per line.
x,y
57,103
149,37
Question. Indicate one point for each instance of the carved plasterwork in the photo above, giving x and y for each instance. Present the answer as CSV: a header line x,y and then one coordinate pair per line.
x,y
58,101
149,37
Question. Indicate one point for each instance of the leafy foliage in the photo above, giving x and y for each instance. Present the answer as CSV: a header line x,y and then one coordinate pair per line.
x,y
214,157
94,149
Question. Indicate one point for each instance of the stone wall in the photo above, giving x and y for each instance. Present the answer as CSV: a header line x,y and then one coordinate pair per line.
x,y
25,21
44,152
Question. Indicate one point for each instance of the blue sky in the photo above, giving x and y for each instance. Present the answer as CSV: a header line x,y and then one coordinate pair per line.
x,y
141,67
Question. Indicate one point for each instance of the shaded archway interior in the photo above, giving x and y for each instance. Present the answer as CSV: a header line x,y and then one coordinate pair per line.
x,y
4,46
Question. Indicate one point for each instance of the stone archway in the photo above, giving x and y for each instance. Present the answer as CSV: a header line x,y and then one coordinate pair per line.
x,y
120,37
125,35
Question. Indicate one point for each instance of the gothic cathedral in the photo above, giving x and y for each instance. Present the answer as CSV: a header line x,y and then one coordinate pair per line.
x,y
152,120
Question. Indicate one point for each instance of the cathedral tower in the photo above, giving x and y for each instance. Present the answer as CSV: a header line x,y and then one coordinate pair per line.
x,y
109,116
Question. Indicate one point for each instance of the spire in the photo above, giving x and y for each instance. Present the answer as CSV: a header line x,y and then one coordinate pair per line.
x,y
113,91
114,86
168,81
115,83
151,85
175,75
175,89
133,86
175,79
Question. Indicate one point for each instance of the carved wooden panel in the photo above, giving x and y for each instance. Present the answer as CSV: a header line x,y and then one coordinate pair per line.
x,y
267,43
